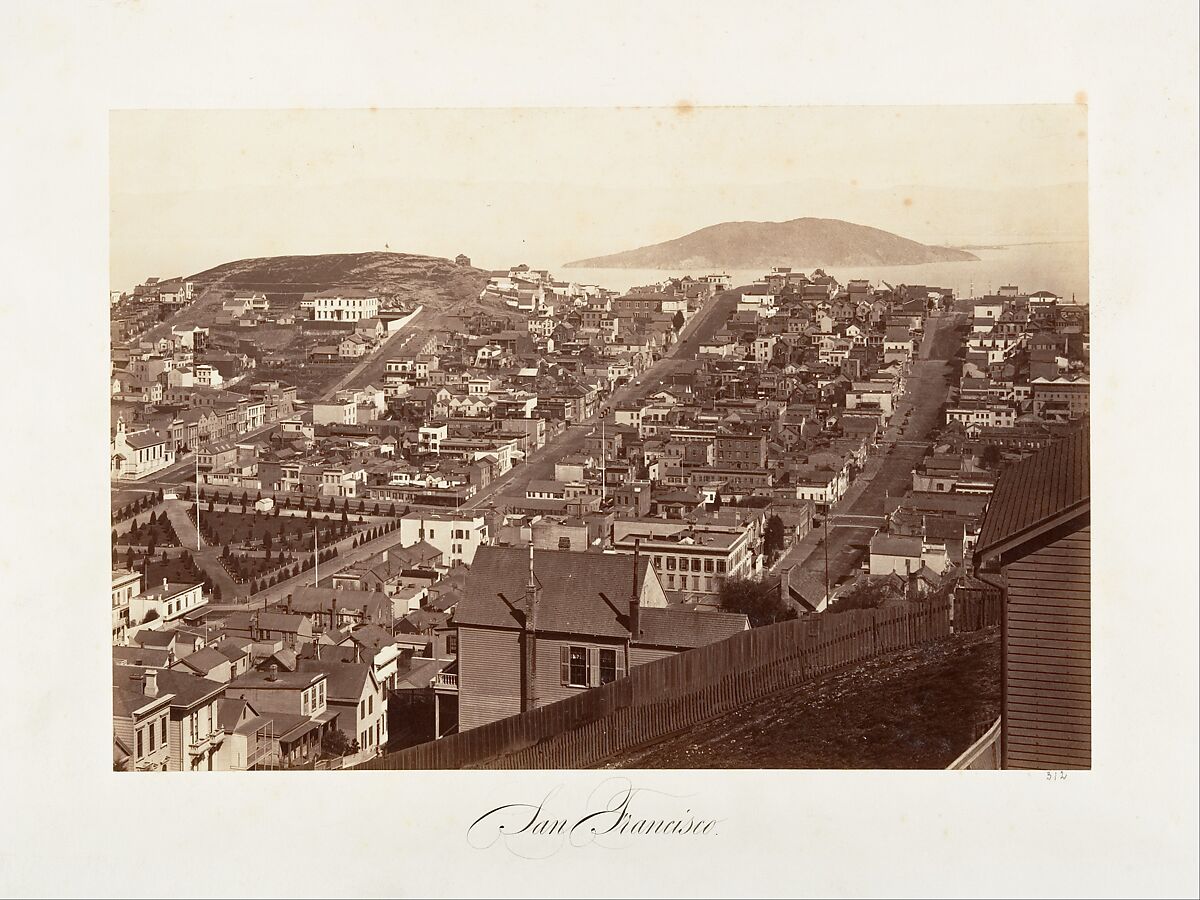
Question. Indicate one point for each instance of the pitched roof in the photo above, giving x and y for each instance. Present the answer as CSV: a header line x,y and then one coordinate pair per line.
x,y
141,656
317,600
344,679
574,588
686,629
204,661
188,689
1050,483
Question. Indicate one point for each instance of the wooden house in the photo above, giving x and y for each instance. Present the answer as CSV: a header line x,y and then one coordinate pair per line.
x,y
539,626
1037,536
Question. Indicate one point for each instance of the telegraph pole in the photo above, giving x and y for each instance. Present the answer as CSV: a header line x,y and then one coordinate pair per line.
x,y
826,525
196,454
603,460
316,561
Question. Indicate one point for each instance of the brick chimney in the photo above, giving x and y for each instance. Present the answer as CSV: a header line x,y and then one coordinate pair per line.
x,y
273,672
635,598
150,683
529,641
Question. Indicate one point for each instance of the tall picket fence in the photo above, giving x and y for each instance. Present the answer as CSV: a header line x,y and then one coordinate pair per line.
x,y
660,698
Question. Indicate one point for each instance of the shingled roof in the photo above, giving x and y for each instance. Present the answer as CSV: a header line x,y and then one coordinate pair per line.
x,y
685,629
1046,486
584,594
574,588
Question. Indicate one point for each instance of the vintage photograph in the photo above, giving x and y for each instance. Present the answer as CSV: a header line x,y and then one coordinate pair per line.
x,y
676,437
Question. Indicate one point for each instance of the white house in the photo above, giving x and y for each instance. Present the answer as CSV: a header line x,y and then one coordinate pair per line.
x,y
342,305
337,412
137,454
456,535
167,601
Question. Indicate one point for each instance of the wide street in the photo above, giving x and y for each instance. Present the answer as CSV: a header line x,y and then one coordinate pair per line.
x,y
858,514
540,466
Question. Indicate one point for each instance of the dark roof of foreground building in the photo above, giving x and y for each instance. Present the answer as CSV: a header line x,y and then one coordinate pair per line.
x,y
1050,484
581,593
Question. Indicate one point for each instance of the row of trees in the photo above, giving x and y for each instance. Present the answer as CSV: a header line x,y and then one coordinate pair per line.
x,y
140,505
289,502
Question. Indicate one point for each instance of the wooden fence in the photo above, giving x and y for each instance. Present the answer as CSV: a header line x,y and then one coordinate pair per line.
x,y
975,610
662,697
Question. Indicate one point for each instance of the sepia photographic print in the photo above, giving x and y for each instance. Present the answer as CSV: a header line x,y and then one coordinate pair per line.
x,y
640,449
636,457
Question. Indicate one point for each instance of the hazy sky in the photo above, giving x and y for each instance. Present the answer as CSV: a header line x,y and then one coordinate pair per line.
x,y
192,189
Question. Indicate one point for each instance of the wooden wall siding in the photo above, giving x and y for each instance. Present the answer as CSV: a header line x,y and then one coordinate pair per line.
x,y
550,688
489,675
175,734
1047,708
667,695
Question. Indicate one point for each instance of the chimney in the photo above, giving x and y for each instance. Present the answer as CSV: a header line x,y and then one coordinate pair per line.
x,y
150,683
273,673
529,642
164,584
635,599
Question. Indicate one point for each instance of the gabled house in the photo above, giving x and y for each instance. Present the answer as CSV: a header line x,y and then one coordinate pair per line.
x,y
1036,544
538,626
193,735
359,700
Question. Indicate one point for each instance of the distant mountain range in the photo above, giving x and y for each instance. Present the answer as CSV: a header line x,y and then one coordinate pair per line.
x,y
800,243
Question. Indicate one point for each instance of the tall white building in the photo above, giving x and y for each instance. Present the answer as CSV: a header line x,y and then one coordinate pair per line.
x,y
345,305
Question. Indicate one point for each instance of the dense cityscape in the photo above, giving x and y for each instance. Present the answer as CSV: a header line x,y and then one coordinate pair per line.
x,y
347,523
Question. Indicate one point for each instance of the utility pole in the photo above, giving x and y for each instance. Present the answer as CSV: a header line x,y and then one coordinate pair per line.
x,y
603,460
196,454
826,525
316,561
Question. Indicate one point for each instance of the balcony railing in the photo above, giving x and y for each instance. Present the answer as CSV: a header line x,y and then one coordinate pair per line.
x,y
210,741
446,680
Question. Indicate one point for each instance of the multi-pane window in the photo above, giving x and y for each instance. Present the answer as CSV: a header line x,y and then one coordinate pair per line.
x,y
578,671
608,666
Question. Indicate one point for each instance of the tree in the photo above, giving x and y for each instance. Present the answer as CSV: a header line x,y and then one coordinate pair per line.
x,y
773,537
308,514
216,592
991,456
760,602
266,542
677,320
867,594
338,743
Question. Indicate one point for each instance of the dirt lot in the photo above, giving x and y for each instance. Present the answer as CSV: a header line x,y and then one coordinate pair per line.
x,y
918,709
